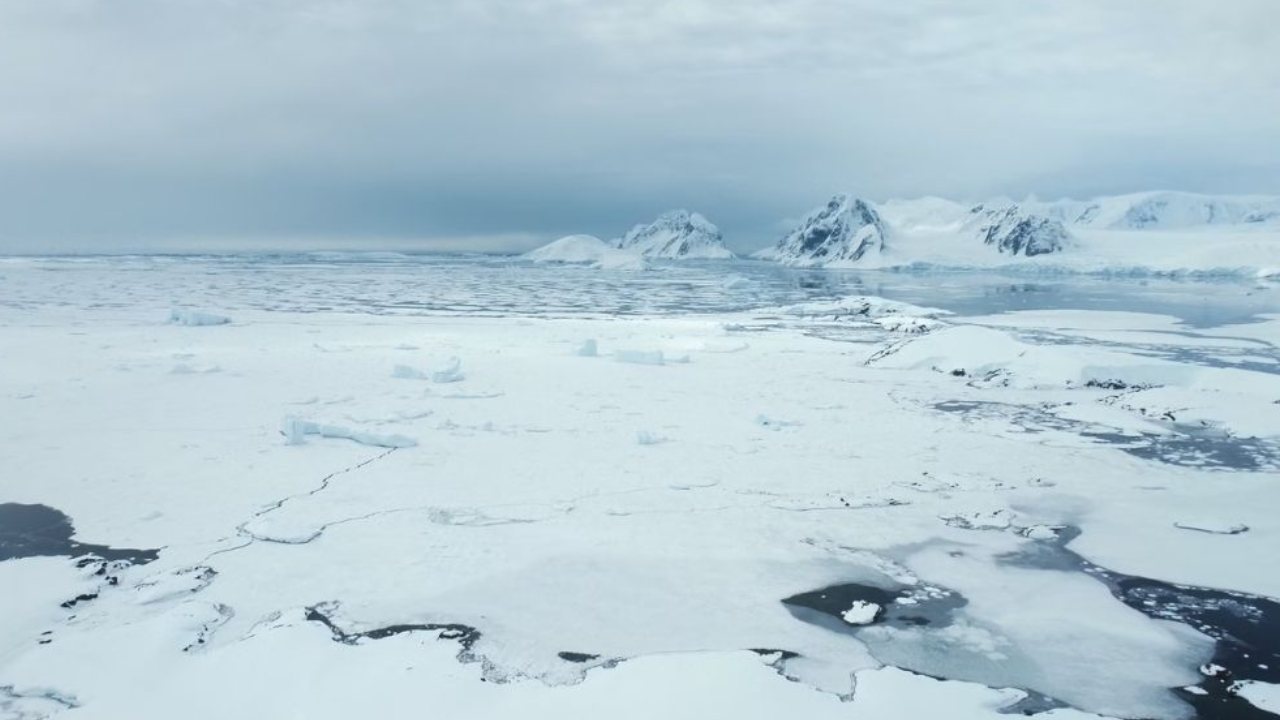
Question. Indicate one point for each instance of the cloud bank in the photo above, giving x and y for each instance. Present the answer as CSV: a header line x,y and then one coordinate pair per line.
x,y
200,124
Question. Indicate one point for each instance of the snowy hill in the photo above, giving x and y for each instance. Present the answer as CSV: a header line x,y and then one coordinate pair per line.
x,y
1163,210
585,250
1155,232
675,235
843,232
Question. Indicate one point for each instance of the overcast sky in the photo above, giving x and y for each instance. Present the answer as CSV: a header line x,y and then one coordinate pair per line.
x,y
456,124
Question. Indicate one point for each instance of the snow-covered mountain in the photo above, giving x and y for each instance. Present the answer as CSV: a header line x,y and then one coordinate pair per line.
x,y
843,232
1012,229
1163,210
676,234
1159,210
586,250
1167,232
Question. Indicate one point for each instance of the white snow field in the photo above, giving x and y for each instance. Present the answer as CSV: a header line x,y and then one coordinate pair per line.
x,y
485,489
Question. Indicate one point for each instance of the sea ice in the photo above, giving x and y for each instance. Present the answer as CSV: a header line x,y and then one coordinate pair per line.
x,y
295,431
450,373
1264,696
861,613
640,357
180,316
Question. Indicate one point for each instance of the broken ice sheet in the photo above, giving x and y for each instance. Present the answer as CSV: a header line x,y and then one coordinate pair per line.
x,y
533,512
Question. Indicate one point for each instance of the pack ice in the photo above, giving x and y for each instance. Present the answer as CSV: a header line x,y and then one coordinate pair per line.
x,y
699,491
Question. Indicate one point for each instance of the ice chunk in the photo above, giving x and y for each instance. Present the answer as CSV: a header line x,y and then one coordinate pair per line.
x,y
1263,696
186,369
861,612
295,431
450,374
179,316
404,372
588,348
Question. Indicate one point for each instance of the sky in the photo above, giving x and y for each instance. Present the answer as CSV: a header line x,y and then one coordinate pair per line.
x,y
493,125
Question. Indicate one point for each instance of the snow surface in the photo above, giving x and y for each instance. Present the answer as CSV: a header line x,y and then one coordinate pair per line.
x,y
195,318
616,533
1164,210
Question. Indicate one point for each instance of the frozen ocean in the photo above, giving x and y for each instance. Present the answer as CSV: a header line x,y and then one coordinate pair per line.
x,y
337,485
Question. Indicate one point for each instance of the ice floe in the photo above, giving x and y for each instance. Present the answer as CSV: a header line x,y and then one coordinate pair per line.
x,y
196,318
295,431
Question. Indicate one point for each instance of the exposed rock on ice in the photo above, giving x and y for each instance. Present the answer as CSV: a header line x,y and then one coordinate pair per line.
x,y
295,431
194,622
174,584
842,232
986,356
990,520
675,235
1212,527
907,325
1014,231
194,318
854,307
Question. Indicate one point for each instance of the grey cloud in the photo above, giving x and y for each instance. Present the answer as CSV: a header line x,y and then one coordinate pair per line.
x,y
184,123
